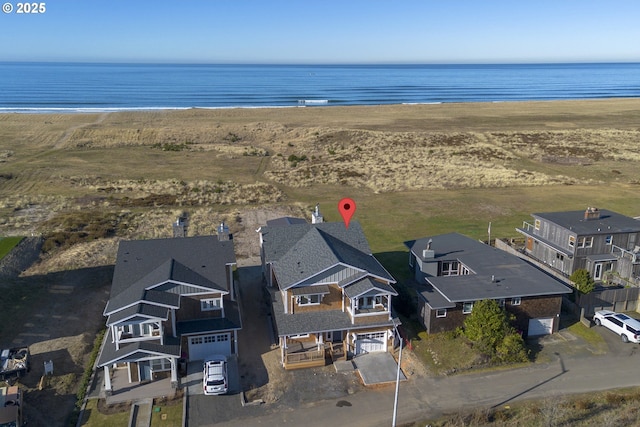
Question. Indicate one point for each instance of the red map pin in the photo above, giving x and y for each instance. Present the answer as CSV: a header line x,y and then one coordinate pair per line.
x,y
347,208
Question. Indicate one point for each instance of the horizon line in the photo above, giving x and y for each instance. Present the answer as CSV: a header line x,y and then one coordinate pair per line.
x,y
284,63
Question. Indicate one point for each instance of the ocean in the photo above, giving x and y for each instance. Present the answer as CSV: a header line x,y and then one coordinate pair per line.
x,y
88,87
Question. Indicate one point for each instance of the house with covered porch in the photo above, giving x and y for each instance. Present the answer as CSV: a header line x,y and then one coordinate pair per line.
x,y
170,299
331,298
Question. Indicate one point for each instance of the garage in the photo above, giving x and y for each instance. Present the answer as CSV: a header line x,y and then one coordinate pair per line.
x,y
371,342
203,346
540,326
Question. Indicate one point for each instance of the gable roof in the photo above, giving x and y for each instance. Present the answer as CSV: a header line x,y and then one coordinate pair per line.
x,y
141,265
365,285
608,222
498,274
300,251
135,351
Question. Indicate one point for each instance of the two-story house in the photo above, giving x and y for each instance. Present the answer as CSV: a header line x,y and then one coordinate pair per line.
x,y
597,240
331,298
458,271
170,299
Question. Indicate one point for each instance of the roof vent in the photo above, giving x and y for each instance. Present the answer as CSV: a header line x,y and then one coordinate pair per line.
x,y
316,216
223,232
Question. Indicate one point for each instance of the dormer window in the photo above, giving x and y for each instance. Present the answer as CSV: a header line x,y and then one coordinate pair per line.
x,y
211,304
313,299
450,268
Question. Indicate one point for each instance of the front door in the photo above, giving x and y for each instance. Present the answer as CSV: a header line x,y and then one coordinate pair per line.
x,y
145,371
597,271
333,336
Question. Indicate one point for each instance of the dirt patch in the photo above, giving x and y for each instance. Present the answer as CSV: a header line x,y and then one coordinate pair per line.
x,y
58,323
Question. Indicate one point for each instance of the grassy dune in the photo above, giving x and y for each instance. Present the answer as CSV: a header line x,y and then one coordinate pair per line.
x,y
413,170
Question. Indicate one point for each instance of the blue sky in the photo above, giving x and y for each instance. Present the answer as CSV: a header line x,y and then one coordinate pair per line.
x,y
327,31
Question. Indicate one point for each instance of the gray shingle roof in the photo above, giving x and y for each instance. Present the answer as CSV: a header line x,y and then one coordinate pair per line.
x,y
136,350
513,276
140,309
300,251
230,321
365,285
609,222
141,264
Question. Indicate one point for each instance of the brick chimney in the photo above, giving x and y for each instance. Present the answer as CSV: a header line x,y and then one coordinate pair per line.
x,y
591,213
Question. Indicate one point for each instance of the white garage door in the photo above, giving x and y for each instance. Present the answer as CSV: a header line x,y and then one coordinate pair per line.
x,y
540,326
368,343
207,345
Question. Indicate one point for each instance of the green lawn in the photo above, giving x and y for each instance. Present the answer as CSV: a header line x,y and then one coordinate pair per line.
x,y
92,417
172,415
8,243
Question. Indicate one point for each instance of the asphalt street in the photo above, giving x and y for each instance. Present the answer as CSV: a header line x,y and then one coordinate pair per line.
x,y
430,397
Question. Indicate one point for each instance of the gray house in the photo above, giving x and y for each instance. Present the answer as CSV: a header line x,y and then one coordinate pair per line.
x,y
458,271
597,240
331,298
170,299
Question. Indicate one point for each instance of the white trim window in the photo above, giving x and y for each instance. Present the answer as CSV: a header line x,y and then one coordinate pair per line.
x,y
572,241
516,301
441,312
467,307
313,299
209,304
449,268
536,224
608,240
585,242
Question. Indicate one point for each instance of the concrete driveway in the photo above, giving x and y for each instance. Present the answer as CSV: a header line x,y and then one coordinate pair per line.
x,y
377,368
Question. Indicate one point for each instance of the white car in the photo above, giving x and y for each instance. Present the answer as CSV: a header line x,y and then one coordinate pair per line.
x,y
627,327
215,375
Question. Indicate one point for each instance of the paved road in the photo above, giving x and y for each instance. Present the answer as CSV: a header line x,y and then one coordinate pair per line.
x,y
574,366
430,397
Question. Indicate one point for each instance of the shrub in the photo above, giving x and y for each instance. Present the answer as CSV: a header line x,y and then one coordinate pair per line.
x,y
582,280
486,326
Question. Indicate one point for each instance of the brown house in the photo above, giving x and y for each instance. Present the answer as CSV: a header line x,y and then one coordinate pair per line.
x,y
331,299
458,271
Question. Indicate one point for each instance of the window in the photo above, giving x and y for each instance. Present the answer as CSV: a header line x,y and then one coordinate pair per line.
x,y
572,241
516,301
309,299
211,304
467,307
441,312
464,271
299,336
585,242
536,224
608,240
559,256
502,302
449,268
